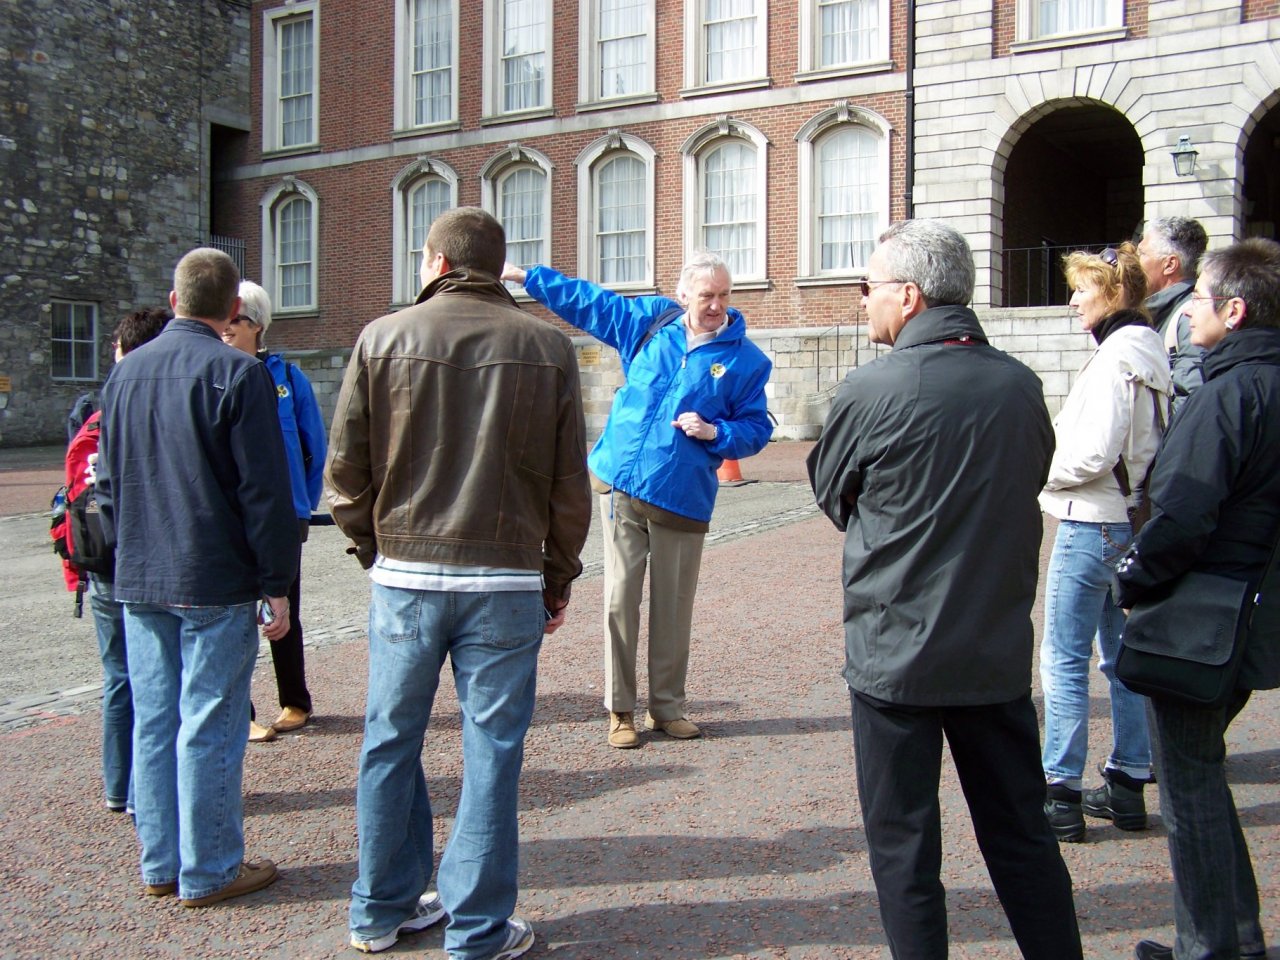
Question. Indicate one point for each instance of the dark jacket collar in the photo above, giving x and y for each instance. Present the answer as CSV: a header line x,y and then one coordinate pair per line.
x,y
1250,345
1121,318
191,326
936,324
465,280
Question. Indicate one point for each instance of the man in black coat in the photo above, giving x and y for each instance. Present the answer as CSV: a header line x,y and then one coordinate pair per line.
x,y
931,460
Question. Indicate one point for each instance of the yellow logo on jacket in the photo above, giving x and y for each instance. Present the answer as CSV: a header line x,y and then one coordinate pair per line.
x,y
281,391
717,371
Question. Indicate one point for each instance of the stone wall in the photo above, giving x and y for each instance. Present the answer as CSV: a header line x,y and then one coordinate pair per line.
x,y
105,112
808,365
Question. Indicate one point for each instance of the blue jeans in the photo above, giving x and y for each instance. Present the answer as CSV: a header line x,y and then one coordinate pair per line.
x,y
191,668
1215,894
117,697
1077,609
492,640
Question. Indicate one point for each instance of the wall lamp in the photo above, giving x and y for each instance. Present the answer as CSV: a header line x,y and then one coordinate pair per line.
x,y
1184,157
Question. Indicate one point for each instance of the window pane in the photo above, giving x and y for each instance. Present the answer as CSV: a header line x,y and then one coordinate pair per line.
x,y
620,220
432,61
426,202
624,47
73,340
849,31
847,183
520,207
296,82
1067,16
293,255
729,38
729,206
523,54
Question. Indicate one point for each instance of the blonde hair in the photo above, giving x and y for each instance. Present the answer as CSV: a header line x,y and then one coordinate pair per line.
x,y
1122,284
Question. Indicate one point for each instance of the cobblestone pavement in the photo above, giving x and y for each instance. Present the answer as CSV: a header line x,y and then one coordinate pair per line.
x,y
744,844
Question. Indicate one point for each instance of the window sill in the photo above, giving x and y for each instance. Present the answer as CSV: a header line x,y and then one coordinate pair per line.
x,y
847,70
759,283
425,130
1104,35
586,106
829,280
279,153
296,313
710,90
517,117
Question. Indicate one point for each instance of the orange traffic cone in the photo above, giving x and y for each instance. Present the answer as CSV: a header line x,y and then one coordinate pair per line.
x,y
729,473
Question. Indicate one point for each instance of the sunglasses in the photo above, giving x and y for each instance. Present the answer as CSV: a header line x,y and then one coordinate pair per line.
x,y
1110,255
866,285
242,319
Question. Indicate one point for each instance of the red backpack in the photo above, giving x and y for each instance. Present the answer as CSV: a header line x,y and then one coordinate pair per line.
x,y
77,526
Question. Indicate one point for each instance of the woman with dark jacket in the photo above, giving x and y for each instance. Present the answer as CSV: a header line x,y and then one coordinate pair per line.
x,y
1215,495
1107,434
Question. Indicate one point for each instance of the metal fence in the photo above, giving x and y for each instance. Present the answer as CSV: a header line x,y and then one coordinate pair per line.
x,y
232,247
1033,275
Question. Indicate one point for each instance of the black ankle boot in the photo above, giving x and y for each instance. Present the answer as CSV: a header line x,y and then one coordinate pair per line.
x,y
1062,807
1119,800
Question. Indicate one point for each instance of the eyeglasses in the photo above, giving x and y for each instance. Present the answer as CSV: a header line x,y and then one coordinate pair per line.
x,y
1201,298
865,285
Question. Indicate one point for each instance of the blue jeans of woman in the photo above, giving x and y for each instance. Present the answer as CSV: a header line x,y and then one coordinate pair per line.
x,y
492,640
1079,610
117,697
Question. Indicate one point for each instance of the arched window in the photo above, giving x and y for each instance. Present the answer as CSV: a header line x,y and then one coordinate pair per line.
x,y
289,246
516,186
725,193
615,225
420,192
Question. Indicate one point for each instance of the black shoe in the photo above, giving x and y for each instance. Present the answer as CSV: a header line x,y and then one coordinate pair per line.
x,y
1066,819
1119,800
1150,950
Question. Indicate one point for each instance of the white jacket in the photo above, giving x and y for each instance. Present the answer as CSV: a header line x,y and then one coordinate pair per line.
x,y
1109,412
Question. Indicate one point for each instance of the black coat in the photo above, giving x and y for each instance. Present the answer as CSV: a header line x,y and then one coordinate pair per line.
x,y
931,460
1215,486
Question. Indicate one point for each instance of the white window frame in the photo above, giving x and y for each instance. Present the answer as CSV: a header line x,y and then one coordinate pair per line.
x,y
695,81
695,151
514,157
272,201
808,229
273,21
811,65
406,283
493,91
72,306
593,157
589,60
404,91
1029,36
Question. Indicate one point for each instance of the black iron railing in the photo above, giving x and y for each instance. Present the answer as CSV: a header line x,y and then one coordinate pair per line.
x,y
232,247
1033,275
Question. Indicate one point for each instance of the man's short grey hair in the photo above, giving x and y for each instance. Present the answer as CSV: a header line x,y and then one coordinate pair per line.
x,y
934,256
702,263
255,304
206,282
1181,236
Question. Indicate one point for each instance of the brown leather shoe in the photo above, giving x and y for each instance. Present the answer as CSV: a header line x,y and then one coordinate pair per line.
x,y
161,889
291,718
252,876
680,728
260,734
622,731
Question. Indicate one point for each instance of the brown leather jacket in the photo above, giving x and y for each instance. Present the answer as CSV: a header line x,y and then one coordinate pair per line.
x,y
459,437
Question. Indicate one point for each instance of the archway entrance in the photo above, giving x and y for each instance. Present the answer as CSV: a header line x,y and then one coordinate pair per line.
x,y
1262,178
1073,181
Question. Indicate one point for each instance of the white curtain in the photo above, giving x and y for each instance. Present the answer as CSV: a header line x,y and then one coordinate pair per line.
x,y
848,184
520,205
729,206
293,253
523,54
849,31
432,61
427,200
730,40
624,44
295,82
620,227
1069,16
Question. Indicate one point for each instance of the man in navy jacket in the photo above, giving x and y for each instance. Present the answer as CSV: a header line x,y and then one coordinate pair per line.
x,y
194,490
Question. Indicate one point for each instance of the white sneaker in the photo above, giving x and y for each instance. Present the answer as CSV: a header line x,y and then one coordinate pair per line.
x,y
428,912
519,939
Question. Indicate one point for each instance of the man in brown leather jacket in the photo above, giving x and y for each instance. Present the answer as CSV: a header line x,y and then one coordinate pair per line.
x,y
458,464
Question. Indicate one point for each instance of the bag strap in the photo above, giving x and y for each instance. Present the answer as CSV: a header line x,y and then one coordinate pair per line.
x,y
293,396
660,321
1121,470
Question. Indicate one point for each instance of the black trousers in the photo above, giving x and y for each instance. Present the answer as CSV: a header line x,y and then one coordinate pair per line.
x,y
286,653
996,751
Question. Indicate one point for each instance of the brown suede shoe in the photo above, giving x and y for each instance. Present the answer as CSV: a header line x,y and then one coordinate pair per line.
x,y
260,734
161,889
680,728
622,731
252,876
291,718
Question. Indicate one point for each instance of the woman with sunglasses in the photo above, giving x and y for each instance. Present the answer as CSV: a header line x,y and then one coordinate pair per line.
x,y
305,445
1107,434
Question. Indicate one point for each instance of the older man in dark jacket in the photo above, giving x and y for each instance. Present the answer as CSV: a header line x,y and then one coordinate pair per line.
x,y
931,460
194,489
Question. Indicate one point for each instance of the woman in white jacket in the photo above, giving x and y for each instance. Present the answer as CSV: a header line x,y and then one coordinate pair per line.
x,y
1107,434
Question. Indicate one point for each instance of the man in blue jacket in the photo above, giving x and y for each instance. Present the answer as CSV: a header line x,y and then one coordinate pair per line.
x,y
693,397
194,491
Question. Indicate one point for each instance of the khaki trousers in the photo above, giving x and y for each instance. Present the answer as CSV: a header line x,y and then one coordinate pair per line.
x,y
629,542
